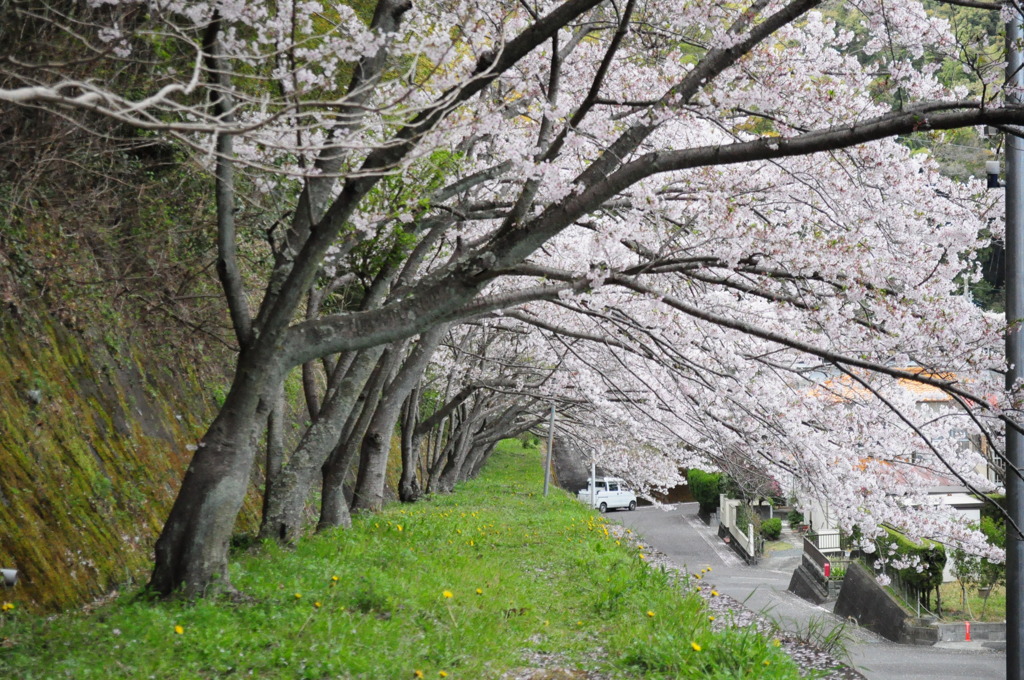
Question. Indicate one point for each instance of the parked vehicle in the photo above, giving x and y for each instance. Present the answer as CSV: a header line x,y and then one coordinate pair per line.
x,y
608,493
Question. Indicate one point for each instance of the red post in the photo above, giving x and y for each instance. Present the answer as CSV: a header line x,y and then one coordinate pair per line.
x,y
967,631
828,569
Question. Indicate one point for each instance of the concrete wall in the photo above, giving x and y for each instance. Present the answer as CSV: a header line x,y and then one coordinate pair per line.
x,y
866,602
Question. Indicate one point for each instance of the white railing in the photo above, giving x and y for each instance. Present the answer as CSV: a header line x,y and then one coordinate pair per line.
x,y
826,541
744,539
743,536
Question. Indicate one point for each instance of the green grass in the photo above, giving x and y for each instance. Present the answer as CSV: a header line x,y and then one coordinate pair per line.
x,y
977,609
525,575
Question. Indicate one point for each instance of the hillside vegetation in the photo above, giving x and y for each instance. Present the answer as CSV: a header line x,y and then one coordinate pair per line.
x,y
114,351
467,585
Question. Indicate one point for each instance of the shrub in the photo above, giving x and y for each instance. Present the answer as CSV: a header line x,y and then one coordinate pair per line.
x,y
930,555
705,487
795,518
771,529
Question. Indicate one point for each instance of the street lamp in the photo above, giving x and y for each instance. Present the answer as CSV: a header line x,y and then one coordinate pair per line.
x,y
992,173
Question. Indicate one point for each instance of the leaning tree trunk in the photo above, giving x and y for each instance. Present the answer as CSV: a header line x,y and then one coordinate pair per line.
x,y
409,489
334,506
446,447
192,551
283,519
373,461
453,468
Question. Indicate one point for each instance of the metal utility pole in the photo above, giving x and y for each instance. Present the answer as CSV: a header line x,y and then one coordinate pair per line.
x,y
551,441
1014,348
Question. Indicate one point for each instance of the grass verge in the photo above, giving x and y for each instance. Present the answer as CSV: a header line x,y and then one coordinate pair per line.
x,y
469,585
977,608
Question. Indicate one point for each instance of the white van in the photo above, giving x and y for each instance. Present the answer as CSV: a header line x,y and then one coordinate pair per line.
x,y
608,493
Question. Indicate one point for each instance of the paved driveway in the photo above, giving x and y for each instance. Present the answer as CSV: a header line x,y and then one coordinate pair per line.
x,y
691,545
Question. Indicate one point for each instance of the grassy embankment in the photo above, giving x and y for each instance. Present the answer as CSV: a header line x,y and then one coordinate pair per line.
x,y
461,586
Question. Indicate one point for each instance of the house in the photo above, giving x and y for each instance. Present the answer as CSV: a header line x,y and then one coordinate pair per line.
x,y
942,487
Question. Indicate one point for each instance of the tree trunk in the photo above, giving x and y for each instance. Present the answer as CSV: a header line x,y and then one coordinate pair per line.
x,y
275,444
441,456
192,551
453,468
409,489
283,520
373,461
334,504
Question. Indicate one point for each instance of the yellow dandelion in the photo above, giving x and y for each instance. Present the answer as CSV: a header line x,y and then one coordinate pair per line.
x,y
546,622
298,596
479,591
650,613
443,674
417,673
695,646
317,605
180,630
711,618
766,662
709,570
448,594
714,593
776,643
6,607
642,556
334,579
399,527
579,623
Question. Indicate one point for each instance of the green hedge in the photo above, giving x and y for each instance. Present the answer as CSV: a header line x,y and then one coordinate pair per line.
x,y
932,557
705,487
771,529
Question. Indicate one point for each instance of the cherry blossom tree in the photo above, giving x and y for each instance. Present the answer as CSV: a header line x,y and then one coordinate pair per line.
x,y
693,199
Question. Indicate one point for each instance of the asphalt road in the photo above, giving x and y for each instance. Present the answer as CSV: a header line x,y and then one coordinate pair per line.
x,y
692,546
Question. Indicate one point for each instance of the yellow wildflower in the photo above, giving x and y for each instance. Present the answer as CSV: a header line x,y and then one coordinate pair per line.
x,y
711,618
317,605
298,596
479,591
443,674
417,673
695,646
180,630
650,613
714,593
6,607
334,579
448,594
